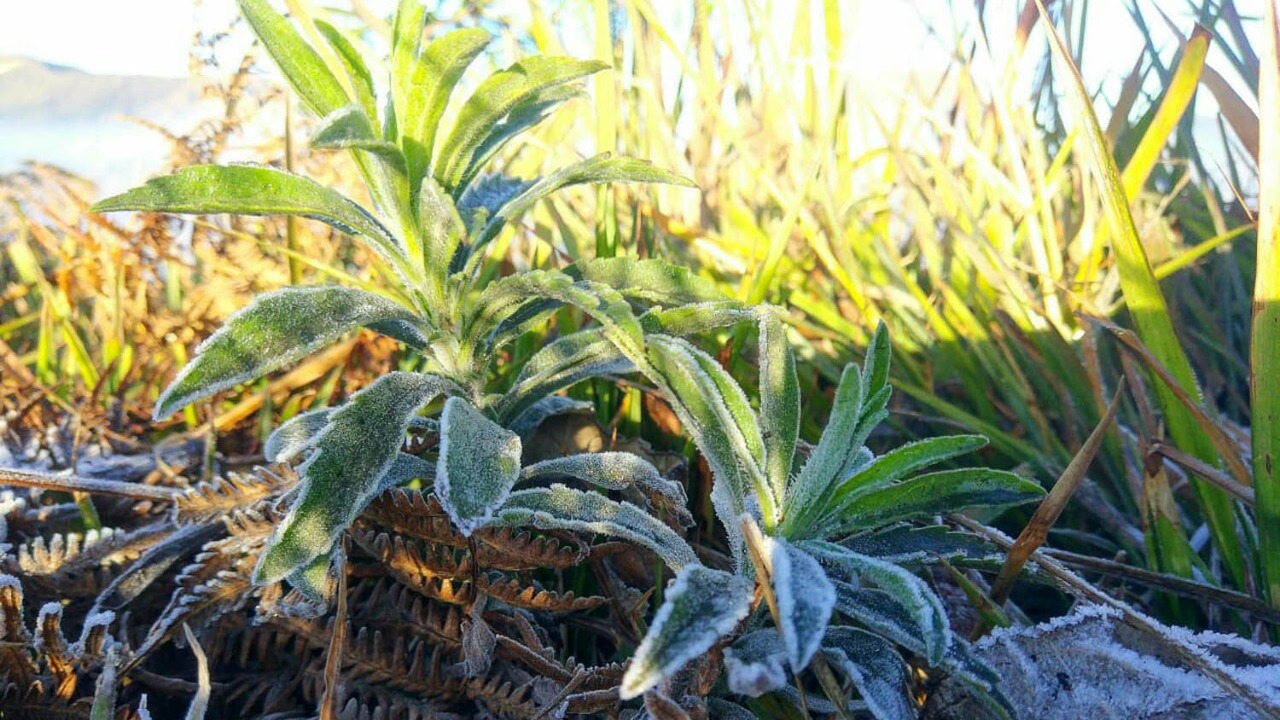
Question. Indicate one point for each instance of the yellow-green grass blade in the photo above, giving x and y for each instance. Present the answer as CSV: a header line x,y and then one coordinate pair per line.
x,y
1173,106
1150,314
1264,354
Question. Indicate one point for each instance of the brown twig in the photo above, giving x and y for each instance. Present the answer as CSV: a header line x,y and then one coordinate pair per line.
x,y
93,486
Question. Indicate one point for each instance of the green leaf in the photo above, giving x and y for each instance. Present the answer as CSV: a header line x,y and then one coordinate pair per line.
x,y
779,401
496,97
357,72
881,612
700,606
256,190
479,464
909,591
301,65
687,378
349,128
906,544
345,471
696,317
656,282
805,600
528,421
296,435
441,230
523,117
606,470
277,329
875,366
597,170
314,579
558,365
934,494
893,466
434,77
839,451
563,508
875,668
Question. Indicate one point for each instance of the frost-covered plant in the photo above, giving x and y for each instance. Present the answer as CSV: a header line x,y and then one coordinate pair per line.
x,y
434,215
831,544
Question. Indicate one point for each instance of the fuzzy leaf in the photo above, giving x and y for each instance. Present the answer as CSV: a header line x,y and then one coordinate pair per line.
x,y
490,192
296,435
256,190
558,365
756,663
875,668
909,591
934,494
496,97
700,606
479,464
593,171
350,128
435,75
656,282
806,598
696,317
531,418
902,461
779,401
277,329
710,406
560,507
357,71
298,62
440,227
607,470
906,544
406,468
523,117
345,470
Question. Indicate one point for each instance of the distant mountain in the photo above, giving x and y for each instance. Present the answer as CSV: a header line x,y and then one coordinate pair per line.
x,y
73,119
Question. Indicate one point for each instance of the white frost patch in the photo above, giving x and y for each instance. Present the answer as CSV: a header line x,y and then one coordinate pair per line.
x,y
1093,662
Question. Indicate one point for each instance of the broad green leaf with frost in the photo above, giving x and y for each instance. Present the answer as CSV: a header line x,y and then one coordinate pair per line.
x,y
277,329
756,663
314,579
563,508
699,607
779,400
907,544
805,597
441,230
350,128
650,281
912,593
479,464
608,470
296,435
715,412
496,97
875,668
934,494
345,471
257,190
593,171
881,612
301,66
435,75
353,62
406,468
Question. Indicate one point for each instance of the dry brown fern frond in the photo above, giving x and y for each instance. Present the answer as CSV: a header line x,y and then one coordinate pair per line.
x,y
232,492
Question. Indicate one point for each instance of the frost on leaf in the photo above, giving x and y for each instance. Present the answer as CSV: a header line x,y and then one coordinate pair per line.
x,y
560,507
1092,663
651,281
608,470
875,668
479,464
277,329
701,606
344,472
296,435
805,600
756,663
929,626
